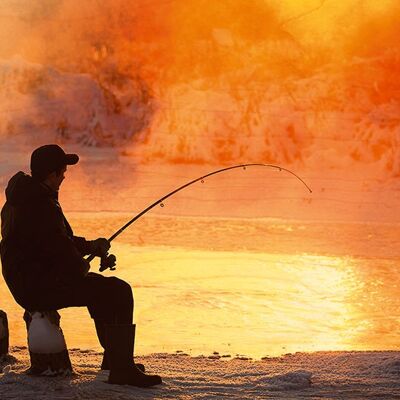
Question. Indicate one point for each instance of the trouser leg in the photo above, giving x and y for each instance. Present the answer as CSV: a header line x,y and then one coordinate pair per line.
x,y
114,305
107,298
110,300
101,332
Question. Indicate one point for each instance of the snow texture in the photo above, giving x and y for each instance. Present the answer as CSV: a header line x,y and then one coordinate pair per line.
x,y
39,103
323,375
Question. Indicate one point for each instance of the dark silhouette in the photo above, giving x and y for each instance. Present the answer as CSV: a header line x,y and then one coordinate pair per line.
x,y
44,268
4,336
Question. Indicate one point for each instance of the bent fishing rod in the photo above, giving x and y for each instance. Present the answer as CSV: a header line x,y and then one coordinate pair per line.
x,y
201,179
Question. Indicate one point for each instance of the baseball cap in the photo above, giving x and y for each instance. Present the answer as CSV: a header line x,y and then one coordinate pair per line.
x,y
49,158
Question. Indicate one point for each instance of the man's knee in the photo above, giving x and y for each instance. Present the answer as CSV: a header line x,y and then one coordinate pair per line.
x,y
121,289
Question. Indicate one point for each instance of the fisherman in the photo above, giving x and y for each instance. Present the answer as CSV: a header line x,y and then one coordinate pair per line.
x,y
44,268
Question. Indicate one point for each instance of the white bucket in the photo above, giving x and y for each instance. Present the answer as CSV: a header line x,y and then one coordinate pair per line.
x,y
47,347
43,336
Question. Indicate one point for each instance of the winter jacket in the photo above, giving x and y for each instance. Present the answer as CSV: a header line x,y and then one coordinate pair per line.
x,y
38,249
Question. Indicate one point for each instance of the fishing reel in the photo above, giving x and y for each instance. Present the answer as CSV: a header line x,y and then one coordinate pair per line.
x,y
108,261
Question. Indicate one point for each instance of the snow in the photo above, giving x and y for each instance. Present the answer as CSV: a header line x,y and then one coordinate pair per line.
x,y
39,104
328,375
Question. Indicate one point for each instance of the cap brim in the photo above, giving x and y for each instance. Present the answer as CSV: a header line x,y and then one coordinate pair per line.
x,y
71,159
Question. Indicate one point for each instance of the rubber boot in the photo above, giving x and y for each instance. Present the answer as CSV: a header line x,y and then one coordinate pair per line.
x,y
120,344
105,364
101,334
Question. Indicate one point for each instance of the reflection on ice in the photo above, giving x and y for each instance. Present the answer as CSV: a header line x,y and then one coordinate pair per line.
x,y
244,303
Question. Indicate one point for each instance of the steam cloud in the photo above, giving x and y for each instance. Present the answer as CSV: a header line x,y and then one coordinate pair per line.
x,y
288,81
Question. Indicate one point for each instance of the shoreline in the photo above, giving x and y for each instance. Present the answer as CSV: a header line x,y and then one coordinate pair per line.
x,y
322,375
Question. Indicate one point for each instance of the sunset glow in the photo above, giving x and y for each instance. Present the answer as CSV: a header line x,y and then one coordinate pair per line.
x,y
153,94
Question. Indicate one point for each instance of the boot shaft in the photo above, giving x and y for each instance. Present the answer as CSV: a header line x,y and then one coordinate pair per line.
x,y
120,344
120,339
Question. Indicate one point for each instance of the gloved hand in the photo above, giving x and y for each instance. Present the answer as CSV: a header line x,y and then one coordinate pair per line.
x,y
108,261
100,247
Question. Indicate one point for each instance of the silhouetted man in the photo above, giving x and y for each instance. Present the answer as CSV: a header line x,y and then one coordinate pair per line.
x,y
44,268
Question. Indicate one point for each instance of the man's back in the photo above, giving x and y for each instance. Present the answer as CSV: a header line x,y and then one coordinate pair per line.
x,y
37,247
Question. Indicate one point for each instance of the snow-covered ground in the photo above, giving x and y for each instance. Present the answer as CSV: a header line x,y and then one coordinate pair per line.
x,y
327,375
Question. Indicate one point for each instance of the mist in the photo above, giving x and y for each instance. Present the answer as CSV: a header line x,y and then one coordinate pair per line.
x,y
306,83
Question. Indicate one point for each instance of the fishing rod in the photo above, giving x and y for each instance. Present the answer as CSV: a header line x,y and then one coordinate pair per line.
x,y
201,179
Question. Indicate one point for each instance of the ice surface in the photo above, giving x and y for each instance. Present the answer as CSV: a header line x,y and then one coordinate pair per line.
x,y
323,375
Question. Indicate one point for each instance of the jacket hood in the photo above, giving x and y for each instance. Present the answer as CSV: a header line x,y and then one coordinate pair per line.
x,y
22,188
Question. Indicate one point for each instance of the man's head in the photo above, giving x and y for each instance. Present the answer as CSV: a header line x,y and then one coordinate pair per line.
x,y
49,162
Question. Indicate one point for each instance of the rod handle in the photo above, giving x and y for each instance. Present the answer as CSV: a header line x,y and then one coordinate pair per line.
x,y
90,258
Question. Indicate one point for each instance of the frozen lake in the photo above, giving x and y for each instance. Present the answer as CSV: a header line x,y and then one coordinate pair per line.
x,y
253,287
247,263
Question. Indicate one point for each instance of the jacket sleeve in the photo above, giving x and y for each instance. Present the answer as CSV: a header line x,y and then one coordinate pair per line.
x,y
84,246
